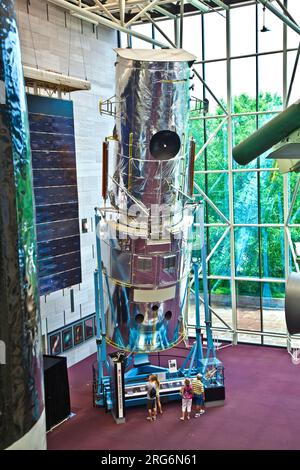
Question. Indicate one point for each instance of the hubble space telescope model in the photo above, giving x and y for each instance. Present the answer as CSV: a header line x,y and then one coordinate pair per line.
x,y
281,137
144,242
146,250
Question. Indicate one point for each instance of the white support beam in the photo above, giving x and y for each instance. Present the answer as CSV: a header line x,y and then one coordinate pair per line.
x,y
104,21
280,15
122,11
148,7
199,5
221,4
106,11
114,7
227,231
158,28
212,204
130,4
211,137
165,12
54,78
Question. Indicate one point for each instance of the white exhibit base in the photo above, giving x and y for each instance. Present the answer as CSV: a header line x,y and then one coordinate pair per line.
x,y
35,439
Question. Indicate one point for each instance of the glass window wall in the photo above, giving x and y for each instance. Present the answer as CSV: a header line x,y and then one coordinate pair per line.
x,y
246,220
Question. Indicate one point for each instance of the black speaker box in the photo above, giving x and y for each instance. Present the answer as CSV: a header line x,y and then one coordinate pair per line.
x,y
57,393
214,394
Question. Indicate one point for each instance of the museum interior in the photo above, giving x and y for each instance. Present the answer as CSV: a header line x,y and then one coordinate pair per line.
x,y
150,224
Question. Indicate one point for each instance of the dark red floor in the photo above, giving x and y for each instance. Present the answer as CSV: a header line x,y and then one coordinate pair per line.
x,y
262,410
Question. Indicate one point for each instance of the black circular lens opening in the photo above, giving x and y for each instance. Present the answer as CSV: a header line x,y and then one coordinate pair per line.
x,y
168,315
164,145
154,308
139,318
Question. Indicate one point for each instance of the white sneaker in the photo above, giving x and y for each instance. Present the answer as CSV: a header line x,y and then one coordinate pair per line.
x,y
197,415
202,412
182,419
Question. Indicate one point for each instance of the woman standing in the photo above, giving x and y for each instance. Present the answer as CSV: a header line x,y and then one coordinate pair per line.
x,y
187,398
151,398
158,403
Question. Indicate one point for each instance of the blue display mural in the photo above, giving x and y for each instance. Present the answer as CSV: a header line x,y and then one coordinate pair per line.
x,y
52,139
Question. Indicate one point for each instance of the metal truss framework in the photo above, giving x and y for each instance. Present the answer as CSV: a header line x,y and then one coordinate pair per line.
x,y
230,225
121,15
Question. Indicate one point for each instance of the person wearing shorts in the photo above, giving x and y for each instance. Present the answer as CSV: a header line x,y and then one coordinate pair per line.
x,y
151,398
198,395
158,402
187,398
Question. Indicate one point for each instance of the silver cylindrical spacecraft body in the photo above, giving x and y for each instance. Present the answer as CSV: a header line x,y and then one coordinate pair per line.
x,y
22,414
146,237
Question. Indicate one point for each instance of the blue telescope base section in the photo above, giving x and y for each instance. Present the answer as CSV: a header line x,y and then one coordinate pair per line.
x,y
138,366
136,378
